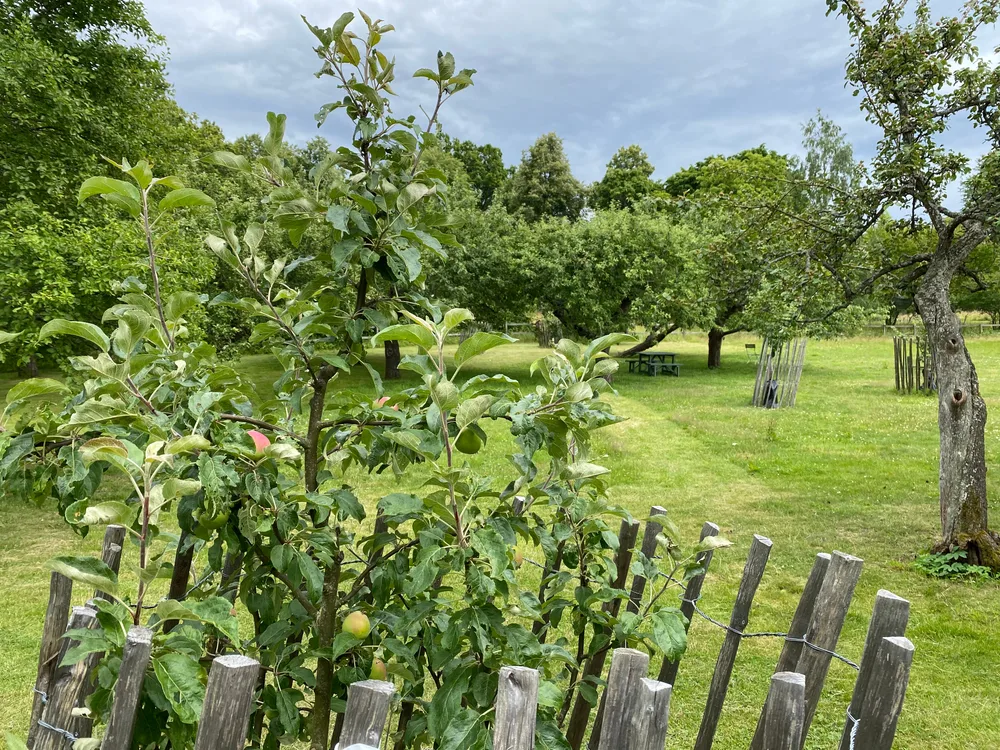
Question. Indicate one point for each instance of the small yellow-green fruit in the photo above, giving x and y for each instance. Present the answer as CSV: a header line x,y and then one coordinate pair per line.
x,y
357,624
379,670
518,558
469,442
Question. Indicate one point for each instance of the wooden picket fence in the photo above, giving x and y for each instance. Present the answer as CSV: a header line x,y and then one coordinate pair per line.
x,y
633,710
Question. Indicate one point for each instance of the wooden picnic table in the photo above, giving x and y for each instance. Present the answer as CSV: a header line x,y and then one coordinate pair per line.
x,y
655,363
657,356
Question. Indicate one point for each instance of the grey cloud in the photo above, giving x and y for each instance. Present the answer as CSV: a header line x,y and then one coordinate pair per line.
x,y
683,78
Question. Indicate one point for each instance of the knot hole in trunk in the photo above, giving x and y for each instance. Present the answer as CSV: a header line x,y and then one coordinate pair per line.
x,y
958,397
953,344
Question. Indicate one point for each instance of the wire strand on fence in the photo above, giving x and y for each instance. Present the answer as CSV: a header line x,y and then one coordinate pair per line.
x,y
66,735
787,636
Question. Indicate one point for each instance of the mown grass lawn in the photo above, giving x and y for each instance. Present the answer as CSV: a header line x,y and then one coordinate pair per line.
x,y
853,467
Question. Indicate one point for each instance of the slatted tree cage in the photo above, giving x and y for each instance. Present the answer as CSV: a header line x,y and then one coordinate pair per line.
x,y
779,370
914,364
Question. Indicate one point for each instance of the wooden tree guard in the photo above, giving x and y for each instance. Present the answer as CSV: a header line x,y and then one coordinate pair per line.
x,y
779,370
914,364
884,695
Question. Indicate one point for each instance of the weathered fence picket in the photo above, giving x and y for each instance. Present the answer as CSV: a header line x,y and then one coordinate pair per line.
x,y
648,549
647,729
884,695
628,667
228,702
692,593
784,713
128,689
367,708
516,708
56,619
797,631
889,619
111,553
753,571
57,724
824,627
595,665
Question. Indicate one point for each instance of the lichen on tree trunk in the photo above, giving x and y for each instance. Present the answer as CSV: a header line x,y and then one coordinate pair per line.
x,y
961,421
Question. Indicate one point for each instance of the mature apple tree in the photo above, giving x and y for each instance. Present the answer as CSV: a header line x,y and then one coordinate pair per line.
x,y
916,78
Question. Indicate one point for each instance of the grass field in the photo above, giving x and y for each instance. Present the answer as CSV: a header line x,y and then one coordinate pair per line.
x,y
853,467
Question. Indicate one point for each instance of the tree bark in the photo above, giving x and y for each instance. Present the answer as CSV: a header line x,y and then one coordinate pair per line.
x,y
392,357
961,414
715,337
31,367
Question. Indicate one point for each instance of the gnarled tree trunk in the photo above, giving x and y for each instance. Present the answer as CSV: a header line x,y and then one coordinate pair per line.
x,y
392,358
961,418
715,337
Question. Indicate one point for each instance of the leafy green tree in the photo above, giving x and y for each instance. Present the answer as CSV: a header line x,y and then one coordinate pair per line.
x,y
618,270
483,165
544,185
915,77
760,214
78,81
627,180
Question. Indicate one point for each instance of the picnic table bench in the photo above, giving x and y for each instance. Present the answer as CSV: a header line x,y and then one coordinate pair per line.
x,y
655,363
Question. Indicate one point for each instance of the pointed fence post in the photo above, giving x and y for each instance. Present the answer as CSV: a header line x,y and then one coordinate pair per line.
x,y
791,651
228,703
884,696
516,709
692,592
580,717
57,723
56,619
753,571
628,667
825,625
647,729
367,709
890,617
111,553
128,690
648,549
785,712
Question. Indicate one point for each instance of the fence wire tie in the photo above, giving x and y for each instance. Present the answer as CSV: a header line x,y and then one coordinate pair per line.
x,y
68,736
787,636
45,696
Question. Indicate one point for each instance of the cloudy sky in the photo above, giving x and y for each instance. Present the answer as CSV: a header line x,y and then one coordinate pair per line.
x,y
682,78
